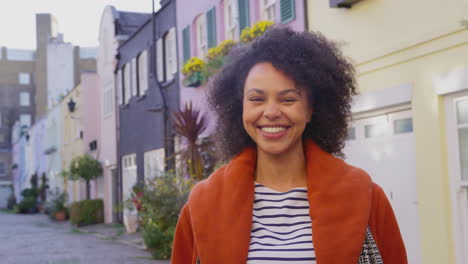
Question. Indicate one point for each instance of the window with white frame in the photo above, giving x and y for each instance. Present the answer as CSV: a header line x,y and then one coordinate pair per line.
x,y
134,77
170,54
25,99
268,10
154,163
107,100
24,78
230,19
160,60
127,82
2,168
202,40
457,138
25,120
119,86
143,72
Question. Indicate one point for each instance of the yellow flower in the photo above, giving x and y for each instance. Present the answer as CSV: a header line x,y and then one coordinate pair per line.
x,y
194,64
221,50
249,34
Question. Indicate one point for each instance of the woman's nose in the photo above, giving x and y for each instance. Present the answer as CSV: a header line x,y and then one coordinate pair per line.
x,y
272,111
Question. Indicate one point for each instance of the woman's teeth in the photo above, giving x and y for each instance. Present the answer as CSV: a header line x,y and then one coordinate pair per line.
x,y
273,130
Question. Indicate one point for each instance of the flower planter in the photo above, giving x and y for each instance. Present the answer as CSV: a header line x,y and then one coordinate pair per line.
x,y
193,80
130,223
60,216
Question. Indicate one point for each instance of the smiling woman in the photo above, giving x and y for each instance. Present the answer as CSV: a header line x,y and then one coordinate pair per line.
x,y
283,106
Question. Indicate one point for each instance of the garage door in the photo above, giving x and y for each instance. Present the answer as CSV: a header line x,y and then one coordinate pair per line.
x,y
383,145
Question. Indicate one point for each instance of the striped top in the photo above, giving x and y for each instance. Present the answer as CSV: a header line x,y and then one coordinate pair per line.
x,y
281,227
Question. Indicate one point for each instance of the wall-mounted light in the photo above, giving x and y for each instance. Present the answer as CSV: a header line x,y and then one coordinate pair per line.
x,y
71,105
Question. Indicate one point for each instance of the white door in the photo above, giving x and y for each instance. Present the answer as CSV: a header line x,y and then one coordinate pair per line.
x,y
129,179
383,146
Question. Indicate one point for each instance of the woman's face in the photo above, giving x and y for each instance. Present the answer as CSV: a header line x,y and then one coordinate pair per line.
x,y
275,111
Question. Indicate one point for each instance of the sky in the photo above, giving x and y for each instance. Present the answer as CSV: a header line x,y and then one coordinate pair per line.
x,y
78,20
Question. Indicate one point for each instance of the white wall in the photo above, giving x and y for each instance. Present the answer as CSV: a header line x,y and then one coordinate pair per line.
x,y
60,70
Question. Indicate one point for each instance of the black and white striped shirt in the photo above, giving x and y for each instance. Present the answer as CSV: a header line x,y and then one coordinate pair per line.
x,y
281,227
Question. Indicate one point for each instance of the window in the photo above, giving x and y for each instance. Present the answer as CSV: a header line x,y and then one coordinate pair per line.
x,y
401,126
119,87
25,120
244,14
288,11
24,99
1,120
211,27
134,79
2,168
351,133
2,138
107,100
160,60
20,55
127,83
202,44
268,10
143,72
374,130
170,54
24,78
154,163
457,139
230,19
186,43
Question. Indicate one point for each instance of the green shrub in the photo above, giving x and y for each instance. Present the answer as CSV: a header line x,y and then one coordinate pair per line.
x,y
28,205
87,212
161,203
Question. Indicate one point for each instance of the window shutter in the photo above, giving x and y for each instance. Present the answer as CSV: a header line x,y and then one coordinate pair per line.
x,y
186,43
288,11
134,77
211,27
244,17
143,72
127,83
159,60
173,51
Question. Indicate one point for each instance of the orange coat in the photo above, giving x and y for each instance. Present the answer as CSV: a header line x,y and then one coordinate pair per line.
x,y
216,221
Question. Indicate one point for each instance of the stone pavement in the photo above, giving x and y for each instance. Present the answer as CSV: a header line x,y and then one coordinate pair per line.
x,y
34,239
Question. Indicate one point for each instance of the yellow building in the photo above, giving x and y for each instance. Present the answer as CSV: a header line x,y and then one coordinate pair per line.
x,y
72,138
410,122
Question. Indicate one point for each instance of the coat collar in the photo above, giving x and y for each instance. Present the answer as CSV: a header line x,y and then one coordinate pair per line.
x,y
339,196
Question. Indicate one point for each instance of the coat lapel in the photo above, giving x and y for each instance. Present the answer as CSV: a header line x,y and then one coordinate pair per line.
x,y
339,197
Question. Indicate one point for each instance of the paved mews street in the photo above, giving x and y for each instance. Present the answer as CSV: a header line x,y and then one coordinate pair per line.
x,y
34,239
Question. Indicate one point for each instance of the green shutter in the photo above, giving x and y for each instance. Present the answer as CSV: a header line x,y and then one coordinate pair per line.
x,y
244,16
211,27
288,11
186,43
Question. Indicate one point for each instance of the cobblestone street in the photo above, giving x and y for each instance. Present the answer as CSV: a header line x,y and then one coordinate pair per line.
x,y
34,239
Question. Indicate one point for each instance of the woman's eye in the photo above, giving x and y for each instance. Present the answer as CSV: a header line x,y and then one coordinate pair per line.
x,y
289,100
255,99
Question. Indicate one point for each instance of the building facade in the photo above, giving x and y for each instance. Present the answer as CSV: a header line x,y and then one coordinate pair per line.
x,y
148,95
17,92
409,123
72,144
115,28
204,24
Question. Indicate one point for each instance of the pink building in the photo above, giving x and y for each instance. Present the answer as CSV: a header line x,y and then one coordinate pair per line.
x,y
203,24
91,126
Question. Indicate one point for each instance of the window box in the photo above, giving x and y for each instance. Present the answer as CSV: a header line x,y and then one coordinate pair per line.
x,y
195,79
343,3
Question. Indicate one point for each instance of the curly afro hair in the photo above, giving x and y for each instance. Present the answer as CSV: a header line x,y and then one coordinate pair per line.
x,y
312,62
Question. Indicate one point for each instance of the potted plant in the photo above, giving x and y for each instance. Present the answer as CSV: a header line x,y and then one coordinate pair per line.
x,y
192,71
133,206
56,205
